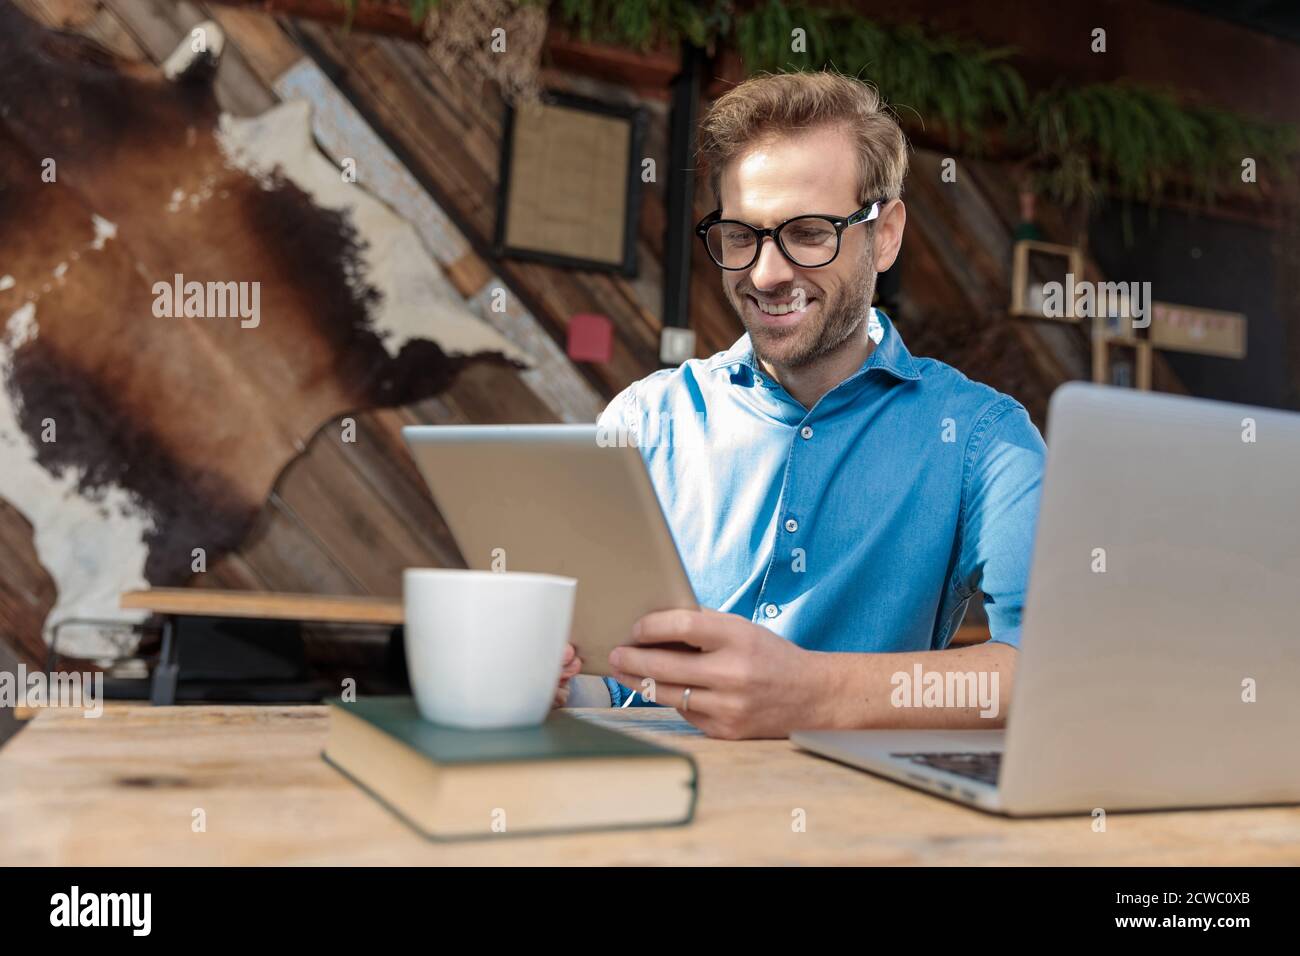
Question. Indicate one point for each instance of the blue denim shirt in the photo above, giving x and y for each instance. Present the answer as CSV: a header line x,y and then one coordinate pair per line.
x,y
864,524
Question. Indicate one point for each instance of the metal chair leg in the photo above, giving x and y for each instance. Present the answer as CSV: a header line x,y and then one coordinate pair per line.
x,y
162,691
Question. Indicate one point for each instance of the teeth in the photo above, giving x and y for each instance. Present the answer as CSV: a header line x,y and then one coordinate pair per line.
x,y
773,309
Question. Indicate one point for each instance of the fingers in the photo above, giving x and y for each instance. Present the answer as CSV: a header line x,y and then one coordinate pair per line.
x,y
707,710
670,695
672,667
571,666
706,629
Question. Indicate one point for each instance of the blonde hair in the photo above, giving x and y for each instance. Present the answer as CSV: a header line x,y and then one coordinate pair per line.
x,y
783,104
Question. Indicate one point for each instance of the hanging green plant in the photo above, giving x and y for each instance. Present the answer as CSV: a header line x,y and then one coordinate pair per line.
x,y
1129,140
942,78
1138,140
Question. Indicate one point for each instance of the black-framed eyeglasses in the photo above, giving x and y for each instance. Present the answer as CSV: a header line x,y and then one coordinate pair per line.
x,y
809,241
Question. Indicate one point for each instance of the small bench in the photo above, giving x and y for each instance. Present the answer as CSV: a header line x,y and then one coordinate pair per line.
x,y
175,604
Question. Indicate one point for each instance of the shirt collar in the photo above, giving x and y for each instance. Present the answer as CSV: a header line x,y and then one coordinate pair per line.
x,y
889,356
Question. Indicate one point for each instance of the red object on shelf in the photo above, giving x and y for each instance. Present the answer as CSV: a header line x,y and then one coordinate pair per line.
x,y
591,338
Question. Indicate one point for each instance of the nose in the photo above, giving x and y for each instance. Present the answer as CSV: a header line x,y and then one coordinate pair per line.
x,y
772,268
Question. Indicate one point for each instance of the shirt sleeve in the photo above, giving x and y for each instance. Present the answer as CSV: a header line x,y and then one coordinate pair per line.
x,y
623,413
999,514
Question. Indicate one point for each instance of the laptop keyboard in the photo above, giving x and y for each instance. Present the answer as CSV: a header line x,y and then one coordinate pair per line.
x,y
977,766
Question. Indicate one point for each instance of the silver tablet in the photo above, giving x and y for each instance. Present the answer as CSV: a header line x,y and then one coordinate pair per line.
x,y
565,499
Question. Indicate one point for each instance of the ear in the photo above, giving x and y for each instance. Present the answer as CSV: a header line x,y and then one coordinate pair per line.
x,y
888,234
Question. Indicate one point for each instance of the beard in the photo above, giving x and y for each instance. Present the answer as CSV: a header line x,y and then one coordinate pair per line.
x,y
833,321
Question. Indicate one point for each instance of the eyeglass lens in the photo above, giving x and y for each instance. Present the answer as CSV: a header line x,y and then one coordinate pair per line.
x,y
808,241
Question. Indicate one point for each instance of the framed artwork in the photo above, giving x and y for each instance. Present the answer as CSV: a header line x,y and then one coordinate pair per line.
x,y
570,188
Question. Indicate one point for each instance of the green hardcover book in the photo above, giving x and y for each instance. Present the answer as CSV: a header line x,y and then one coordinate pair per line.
x,y
566,774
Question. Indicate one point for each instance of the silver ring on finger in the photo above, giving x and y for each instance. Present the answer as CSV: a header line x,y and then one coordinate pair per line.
x,y
686,700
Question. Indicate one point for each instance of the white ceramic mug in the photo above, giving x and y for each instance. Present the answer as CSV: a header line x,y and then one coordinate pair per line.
x,y
484,648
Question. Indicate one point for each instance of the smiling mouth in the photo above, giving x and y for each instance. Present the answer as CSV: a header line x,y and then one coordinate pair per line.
x,y
780,313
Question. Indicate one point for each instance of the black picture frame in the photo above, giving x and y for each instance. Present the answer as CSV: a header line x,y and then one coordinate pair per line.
x,y
636,119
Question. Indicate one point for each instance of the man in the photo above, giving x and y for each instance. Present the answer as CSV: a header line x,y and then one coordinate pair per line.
x,y
836,500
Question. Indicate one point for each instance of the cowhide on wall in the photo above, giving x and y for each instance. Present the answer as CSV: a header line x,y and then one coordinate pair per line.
x,y
128,439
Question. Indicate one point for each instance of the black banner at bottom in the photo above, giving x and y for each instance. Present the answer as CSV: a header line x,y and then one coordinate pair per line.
x,y
644,907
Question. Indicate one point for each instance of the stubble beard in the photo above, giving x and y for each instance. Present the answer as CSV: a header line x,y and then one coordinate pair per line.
x,y
808,342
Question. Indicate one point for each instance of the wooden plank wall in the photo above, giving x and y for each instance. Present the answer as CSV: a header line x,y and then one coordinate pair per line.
x,y
346,518
956,260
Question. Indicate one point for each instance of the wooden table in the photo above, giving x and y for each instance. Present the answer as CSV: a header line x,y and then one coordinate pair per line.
x,y
123,789
174,603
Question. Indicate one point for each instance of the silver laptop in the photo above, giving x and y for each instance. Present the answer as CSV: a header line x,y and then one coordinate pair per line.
x,y
565,499
1172,677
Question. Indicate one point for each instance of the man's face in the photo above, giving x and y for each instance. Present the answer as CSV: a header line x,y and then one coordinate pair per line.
x,y
770,182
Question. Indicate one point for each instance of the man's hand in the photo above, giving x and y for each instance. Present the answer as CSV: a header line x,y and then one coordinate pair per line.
x,y
744,682
571,665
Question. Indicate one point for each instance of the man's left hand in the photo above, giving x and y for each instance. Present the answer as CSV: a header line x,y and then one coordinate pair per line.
x,y
745,681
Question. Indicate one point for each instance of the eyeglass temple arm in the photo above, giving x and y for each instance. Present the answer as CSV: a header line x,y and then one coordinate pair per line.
x,y
866,214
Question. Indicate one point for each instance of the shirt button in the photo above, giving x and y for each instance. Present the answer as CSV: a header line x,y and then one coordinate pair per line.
x,y
771,610
806,431
791,525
